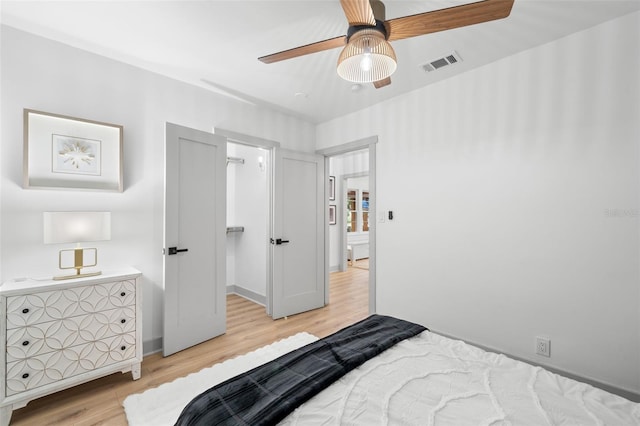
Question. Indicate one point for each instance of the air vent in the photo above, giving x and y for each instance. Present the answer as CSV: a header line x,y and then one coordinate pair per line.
x,y
445,61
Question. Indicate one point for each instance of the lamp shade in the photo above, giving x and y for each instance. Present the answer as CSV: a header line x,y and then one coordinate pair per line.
x,y
367,57
76,227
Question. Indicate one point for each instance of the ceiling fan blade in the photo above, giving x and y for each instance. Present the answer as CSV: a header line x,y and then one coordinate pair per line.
x,y
447,19
381,83
305,50
358,12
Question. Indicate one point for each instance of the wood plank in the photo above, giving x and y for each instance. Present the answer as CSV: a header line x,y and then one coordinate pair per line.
x,y
358,12
99,402
296,52
447,19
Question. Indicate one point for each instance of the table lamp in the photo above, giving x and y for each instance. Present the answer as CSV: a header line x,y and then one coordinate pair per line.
x,y
77,227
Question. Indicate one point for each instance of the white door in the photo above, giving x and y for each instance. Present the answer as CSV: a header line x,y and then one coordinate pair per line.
x,y
194,237
297,240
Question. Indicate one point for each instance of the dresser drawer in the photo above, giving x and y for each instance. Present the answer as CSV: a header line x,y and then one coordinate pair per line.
x,y
48,368
46,306
33,340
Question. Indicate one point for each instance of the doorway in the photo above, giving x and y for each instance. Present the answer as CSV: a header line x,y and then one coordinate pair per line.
x,y
349,238
289,258
362,152
351,234
349,231
288,192
247,221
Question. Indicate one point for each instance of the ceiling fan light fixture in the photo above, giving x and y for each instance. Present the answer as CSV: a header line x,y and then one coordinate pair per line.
x,y
367,57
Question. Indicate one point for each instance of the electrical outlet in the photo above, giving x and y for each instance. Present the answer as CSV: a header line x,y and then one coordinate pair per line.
x,y
543,346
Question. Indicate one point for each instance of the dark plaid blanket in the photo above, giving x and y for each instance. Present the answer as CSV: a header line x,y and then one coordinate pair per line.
x,y
270,392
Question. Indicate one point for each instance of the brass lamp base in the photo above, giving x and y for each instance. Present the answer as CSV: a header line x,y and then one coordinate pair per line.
x,y
77,275
78,263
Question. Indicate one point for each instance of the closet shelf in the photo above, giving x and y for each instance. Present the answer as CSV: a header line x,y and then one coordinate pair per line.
x,y
235,160
235,229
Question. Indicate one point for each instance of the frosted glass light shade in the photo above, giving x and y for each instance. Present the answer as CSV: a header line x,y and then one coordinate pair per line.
x,y
367,57
76,227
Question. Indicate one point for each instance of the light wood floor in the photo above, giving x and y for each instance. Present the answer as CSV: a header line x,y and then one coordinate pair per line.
x,y
248,327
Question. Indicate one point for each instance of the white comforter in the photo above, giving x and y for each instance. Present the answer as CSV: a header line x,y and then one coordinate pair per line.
x,y
433,380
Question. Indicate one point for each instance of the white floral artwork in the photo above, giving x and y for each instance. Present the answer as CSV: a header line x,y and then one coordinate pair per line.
x,y
75,155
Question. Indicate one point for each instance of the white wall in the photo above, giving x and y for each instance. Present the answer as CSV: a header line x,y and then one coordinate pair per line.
x,y
248,206
515,194
48,76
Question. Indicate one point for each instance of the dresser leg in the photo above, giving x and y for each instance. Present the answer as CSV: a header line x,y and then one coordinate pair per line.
x,y
5,415
135,371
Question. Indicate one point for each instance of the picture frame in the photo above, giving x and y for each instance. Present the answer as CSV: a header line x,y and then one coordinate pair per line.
x,y
332,188
62,152
332,214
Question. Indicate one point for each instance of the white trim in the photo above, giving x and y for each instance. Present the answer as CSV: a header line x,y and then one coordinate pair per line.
x,y
356,145
243,139
247,294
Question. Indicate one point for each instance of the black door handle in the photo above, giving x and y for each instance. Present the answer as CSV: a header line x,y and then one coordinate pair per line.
x,y
279,241
176,250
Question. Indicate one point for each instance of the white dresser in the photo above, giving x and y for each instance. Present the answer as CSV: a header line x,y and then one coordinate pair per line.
x,y
58,334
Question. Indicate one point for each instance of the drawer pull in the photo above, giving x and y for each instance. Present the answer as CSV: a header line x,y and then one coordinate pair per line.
x,y
25,311
123,320
25,343
123,294
122,348
25,375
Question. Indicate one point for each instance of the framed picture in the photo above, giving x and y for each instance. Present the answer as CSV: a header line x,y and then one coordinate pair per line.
x,y
332,214
63,152
332,188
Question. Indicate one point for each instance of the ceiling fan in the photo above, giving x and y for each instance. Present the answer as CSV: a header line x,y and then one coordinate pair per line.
x,y
367,56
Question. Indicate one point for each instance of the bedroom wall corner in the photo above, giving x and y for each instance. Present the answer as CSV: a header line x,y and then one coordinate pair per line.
x,y
525,222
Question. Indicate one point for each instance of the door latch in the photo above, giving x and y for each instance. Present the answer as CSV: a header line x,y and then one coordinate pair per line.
x,y
278,241
176,250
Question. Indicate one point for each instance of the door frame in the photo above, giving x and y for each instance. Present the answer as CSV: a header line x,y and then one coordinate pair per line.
x,y
269,146
357,145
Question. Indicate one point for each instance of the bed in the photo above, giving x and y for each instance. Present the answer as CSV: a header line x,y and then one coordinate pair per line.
x,y
385,371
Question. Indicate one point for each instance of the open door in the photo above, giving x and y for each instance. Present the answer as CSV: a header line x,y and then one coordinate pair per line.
x,y
297,240
194,237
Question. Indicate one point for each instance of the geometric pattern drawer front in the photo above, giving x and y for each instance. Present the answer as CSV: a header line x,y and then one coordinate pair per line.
x,y
33,340
58,304
47,368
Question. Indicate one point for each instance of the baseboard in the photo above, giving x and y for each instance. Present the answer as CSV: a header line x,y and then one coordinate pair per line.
x,y
625,393
152,346
155,345
247,294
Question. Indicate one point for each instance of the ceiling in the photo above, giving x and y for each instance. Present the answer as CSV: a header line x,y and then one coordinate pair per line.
x,y
215,44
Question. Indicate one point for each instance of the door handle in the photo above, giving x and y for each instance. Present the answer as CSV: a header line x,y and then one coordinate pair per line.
x,y
279,241
176,250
